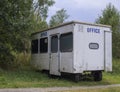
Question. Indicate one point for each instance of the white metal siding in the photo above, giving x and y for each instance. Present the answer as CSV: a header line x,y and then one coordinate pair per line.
x,y
78,44
34,61
108,51
66,64
43,61
86,59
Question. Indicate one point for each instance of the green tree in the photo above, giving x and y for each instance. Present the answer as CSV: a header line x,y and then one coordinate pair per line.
x,y
17,21
111,16
58,18
40,8
14,25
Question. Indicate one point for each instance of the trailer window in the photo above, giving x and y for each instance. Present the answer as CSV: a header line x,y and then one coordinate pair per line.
x,y
34,46
66,42
54,44
44,45
94,46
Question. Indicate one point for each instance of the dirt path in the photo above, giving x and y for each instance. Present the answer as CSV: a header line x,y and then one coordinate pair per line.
x,y
57,89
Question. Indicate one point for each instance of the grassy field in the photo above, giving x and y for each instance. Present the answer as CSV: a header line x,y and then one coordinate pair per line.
x,y
29,78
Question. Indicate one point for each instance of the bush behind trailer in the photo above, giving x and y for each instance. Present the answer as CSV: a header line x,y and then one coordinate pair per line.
x,y
74,48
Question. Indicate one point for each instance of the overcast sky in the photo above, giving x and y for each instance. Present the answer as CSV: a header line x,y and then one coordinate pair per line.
x,y
82,10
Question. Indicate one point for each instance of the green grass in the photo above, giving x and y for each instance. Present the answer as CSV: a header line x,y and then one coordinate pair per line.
x,y
29,78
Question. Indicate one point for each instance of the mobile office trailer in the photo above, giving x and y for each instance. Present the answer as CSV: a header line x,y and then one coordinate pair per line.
x,y
74,48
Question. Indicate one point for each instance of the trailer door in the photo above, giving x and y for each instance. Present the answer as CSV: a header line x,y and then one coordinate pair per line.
x,y
55,55
94,49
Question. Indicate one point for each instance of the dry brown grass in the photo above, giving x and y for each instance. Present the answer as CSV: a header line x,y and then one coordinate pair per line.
x,y
113,89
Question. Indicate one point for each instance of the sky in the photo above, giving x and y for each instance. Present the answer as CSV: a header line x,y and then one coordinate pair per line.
x,y
82,10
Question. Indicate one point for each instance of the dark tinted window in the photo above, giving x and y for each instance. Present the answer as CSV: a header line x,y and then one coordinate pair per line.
x,y
34,46
54,44
44,45
66,42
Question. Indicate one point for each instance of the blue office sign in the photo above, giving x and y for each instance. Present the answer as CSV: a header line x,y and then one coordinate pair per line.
x,y
93,30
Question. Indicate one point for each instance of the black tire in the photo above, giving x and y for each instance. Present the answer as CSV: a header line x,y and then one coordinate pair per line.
x,y
97,75
76,77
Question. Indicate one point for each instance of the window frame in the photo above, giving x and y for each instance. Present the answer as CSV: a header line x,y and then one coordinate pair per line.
x,y
35,51
57,44
64,51
41,46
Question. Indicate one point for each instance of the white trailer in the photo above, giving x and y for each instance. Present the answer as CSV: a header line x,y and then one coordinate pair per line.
x,y
73,48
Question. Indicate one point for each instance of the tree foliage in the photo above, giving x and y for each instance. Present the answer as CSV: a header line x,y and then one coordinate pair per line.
x,y
58,18
111,16
18,19
40,8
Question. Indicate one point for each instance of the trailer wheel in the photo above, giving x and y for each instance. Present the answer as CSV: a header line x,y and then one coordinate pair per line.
x,y
76,77
97,75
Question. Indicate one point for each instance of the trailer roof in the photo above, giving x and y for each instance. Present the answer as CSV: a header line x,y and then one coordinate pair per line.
x,y
73,22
